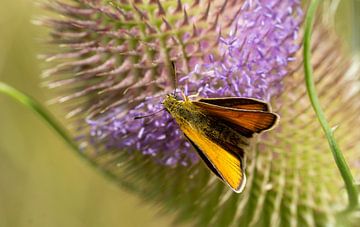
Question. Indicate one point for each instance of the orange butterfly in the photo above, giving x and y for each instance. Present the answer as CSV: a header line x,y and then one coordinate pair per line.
x,y
219,129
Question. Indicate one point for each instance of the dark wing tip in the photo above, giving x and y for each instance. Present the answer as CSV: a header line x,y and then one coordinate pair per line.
x,y
266,122
273,122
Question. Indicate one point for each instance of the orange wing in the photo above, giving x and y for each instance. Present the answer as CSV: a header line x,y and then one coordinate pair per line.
x,y
238,103
246,122
226,164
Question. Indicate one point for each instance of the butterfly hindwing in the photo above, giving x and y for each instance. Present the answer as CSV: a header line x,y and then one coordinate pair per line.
x,y
237,103
225,160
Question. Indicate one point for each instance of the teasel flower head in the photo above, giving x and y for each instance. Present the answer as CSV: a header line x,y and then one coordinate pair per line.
x,y
114,63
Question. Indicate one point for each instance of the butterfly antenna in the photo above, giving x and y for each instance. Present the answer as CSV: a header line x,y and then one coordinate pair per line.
x,y
175,76
149,115
176,82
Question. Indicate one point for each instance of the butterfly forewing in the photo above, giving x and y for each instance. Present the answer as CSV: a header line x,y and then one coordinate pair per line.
x,y
226,164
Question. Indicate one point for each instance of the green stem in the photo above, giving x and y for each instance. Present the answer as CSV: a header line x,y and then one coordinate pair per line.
x,y
50,120
310,85
40,110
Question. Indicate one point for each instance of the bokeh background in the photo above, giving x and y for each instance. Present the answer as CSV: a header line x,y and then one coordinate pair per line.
x,y
42,182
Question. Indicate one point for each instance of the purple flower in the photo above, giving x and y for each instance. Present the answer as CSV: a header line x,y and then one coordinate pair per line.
x,y
251,60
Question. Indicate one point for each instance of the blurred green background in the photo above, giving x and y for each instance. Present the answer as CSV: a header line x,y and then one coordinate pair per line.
x,y
42,182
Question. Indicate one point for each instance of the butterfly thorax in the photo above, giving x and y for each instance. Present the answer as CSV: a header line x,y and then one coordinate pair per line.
x,y
171,103
186,114
181,110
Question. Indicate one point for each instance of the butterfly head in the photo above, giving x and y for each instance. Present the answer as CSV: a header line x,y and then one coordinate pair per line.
x,y
170,101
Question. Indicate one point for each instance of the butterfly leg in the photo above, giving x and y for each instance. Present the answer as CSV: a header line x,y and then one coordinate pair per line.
x,y
186,98
195,95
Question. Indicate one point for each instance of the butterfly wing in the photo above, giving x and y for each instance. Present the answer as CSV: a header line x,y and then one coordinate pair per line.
x,y
225,160
246,122
238,103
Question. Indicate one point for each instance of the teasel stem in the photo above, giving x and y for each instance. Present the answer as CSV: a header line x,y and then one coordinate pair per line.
x,y
340,161
46,116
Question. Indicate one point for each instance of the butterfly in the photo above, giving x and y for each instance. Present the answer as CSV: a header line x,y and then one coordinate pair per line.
x,y
220,130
